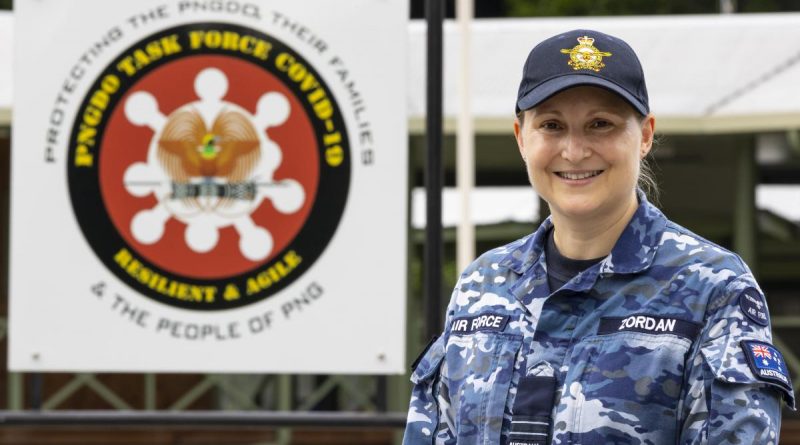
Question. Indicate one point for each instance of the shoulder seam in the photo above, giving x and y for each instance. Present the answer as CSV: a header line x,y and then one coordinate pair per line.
x,y
684,231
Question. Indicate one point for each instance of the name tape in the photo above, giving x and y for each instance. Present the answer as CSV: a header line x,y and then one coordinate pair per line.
x,y
482,323
649,324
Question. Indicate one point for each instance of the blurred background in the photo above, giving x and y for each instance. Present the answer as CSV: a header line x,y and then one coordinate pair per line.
x,y
727,164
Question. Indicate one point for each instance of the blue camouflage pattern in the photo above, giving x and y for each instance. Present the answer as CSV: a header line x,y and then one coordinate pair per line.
x,y
672,372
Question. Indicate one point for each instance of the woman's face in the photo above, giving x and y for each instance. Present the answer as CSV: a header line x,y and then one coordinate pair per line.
x,y
582,149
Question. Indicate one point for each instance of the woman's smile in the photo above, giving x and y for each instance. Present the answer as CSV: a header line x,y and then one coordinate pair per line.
x,y
578,177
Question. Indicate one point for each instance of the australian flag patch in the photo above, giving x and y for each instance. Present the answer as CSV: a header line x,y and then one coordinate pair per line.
x,y
767,363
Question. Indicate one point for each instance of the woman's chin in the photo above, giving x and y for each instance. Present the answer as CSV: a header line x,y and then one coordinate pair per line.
x,y
576,209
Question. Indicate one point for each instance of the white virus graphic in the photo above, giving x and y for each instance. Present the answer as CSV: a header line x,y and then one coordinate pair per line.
x,y
210,165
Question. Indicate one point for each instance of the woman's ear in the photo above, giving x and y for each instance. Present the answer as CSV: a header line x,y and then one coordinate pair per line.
x,y
648,133
518,134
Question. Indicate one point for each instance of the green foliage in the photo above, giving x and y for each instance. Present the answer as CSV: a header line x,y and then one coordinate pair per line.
x,y
767,5
538,8
549,8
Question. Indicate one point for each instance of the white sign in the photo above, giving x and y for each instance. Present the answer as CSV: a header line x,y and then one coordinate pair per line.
x,y
209,186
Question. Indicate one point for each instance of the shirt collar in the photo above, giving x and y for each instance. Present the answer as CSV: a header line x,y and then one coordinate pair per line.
x,y
636,247
521,258
633,252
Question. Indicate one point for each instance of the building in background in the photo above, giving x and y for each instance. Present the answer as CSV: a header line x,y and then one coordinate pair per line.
x,y
728,162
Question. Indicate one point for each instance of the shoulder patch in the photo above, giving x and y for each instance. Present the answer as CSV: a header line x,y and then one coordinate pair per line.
x,y
754,307
649,324
767,363
484,322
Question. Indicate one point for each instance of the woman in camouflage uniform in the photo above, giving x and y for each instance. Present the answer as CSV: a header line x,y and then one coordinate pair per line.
x,y
610,324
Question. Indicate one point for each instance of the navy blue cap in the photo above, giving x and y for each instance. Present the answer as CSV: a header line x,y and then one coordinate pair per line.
x,y
582,57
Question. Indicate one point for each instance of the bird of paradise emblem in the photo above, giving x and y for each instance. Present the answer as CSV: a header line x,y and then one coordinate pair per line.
x,y
209,166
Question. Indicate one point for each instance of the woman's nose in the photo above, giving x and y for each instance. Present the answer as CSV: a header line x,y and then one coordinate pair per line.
x,y
575,148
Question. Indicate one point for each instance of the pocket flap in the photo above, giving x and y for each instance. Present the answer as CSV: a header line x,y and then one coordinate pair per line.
x,y
535,396
749,362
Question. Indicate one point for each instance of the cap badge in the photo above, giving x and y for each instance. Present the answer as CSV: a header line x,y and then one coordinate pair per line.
x,y
585,56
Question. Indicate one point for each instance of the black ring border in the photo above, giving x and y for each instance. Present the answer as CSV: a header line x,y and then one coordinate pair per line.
x,y
321,224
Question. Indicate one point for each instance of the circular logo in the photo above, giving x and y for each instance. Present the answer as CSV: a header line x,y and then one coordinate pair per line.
x,y
208,166
753,305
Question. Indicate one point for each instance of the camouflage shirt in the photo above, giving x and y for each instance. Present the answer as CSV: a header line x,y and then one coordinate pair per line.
x,y
665,341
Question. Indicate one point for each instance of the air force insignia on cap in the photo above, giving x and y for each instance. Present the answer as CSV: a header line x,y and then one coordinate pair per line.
x,y
548,72
753,305
767,363
585,56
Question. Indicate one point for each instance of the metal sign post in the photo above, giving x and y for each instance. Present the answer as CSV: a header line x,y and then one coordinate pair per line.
x,y
434,13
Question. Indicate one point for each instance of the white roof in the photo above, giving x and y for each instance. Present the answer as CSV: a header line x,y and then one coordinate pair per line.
x,y
705,73
780,199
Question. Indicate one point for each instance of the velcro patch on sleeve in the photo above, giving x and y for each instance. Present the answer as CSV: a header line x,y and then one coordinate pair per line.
x,y
424,351
767,363
479,323
649,324
753,305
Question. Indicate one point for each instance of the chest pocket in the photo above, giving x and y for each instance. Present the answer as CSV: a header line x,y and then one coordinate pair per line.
x,y
477,373
624,385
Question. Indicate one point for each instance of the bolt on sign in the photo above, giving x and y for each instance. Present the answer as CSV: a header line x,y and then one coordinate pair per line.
x,y
209,186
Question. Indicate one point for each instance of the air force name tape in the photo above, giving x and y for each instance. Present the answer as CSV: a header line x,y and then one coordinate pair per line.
x,y
483,323
767,363
649,324
753,305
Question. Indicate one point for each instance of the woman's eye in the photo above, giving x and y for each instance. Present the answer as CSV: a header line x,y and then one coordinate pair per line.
x,y
601,124
550,125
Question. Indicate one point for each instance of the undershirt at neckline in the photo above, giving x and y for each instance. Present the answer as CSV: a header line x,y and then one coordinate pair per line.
x,y
561,269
